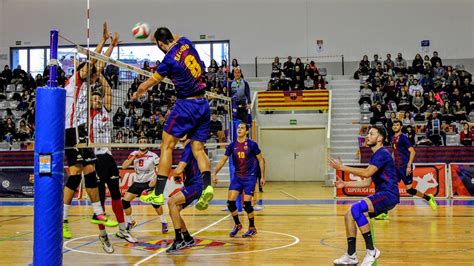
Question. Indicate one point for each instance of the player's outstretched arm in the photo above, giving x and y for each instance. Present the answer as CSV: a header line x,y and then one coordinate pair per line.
x,y
149,83
362,172
128,162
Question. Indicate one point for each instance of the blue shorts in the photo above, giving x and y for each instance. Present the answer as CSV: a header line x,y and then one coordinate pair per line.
x,y
246,184
190,117
401,175
192,191
383,201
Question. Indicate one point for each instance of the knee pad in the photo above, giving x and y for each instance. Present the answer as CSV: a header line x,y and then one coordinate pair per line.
x,y
125,204
248,206
73,182
90,180
155,206
231,205
411,191
357,211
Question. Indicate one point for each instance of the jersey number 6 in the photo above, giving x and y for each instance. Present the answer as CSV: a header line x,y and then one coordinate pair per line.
x,y
193,65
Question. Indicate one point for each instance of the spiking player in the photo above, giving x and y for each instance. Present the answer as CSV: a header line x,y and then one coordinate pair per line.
x,y
381,170
190,115
193,187
247,157
404,155
81,160
145,163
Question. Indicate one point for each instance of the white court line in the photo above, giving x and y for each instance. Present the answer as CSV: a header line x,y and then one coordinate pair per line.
x,y
163,250
289,195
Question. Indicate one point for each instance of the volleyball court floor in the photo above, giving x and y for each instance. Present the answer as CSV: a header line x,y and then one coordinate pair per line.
x,y
300,224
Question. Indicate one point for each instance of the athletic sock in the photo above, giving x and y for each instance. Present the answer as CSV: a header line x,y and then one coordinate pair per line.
x,y
122,226
65,211
368,240
351,245
236,219
206,178
187,237
102,232
118,210
426,197
252,222
101,227
128,218
163,218
178,236
97,208
160,184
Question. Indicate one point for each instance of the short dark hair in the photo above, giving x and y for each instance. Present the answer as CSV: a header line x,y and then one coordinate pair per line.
x,y
163,35
97,93
381,131
397,121
246,125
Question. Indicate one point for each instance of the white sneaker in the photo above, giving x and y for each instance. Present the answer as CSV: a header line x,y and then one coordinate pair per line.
x,y
125,235
346,259
370,257
106,245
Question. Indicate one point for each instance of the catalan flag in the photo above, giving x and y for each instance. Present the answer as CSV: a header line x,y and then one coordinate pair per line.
x,y
293,100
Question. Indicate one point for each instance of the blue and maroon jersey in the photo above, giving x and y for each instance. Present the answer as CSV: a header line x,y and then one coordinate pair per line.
x,y
400,145
184,67
244,157
385,178
191,171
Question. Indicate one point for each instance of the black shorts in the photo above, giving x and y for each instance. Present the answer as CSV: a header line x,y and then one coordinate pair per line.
x,y
106,167
138,188
83,156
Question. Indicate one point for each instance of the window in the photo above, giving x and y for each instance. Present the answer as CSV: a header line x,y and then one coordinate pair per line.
x,y
20,57
220,51
136,55
204,51
37,61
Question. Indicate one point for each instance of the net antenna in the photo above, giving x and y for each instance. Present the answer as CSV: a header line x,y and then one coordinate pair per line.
x,y
128,75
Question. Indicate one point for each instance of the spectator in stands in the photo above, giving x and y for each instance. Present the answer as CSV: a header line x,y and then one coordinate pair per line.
x,y
24,131
430,102
130,137
418,102
433,130
288,67
426,82
388,63
312,66
299,63
456,95
19,75
411,80
401,82
466,135
365,94
7,74
428,71
400,64
391,91
415,87
404,100
224,66
411,134
447,112
426,59
438,71
234,65
128,122
378,114
9,130
9,114
468,101
119,118
375,62
364,67
215,126
298,78
466,85
377,69
308,83
308,72
408,120
389,125
319,83
112,74
240,92
22,104
284,83
378,96
213,67
435,59
276,68
39,81
417,65
459,111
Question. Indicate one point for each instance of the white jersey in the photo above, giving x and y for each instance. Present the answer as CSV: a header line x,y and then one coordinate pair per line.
x,y
144,166
76,102
100,132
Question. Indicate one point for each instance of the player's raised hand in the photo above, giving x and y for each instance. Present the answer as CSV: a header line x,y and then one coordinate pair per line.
x,y
135,96
105,31
335,163
338,183
115,39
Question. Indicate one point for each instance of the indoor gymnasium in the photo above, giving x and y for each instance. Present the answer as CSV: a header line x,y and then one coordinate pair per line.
x,y
218,132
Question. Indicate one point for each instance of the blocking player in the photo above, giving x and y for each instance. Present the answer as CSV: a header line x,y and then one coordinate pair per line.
x,y
246,157
190,115
381,171
81,160
404,155
145,164
192,189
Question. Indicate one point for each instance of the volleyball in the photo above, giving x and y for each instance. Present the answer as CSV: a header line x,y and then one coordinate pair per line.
x,y
141,31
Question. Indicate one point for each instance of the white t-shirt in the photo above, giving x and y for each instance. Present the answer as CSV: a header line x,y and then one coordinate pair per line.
x,y
76,102
101,129
144,166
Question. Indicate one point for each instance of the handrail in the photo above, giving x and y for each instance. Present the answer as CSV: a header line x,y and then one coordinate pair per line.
x,y
328,133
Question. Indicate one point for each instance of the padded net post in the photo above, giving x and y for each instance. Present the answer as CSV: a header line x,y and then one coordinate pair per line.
x,y
49,167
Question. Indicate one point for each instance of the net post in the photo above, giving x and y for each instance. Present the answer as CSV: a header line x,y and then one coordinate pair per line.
x,y
256,66
342,63
49,167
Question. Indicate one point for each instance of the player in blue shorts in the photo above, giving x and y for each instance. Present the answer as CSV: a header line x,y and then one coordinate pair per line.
x,y
190,115
404,155
381,171
246,157
192,189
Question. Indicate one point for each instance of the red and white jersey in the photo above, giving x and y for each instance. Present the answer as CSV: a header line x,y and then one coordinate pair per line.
x,y
144,166
100,129
76,101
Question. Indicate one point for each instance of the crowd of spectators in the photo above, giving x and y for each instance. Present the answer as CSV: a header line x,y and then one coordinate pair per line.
x,y
295,76
427,93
